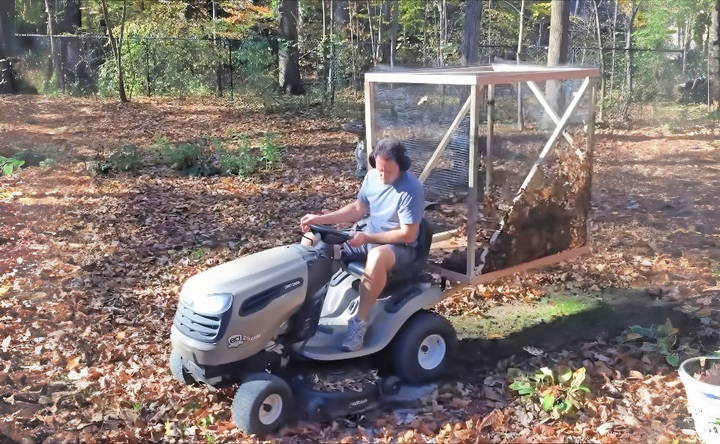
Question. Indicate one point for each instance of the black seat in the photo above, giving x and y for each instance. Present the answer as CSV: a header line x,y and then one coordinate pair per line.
x,y
415,269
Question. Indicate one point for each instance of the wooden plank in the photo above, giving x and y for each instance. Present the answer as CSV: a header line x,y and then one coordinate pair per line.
x,y
472,205
590,158
537,263
435,158
554,136
444,235
449,274
369,119
418,77
548,109
489,138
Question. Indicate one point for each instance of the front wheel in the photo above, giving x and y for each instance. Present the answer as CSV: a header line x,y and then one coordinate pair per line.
x,y
178,369
422,349
262,404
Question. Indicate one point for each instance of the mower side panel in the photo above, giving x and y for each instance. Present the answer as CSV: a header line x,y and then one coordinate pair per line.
x,y
386,322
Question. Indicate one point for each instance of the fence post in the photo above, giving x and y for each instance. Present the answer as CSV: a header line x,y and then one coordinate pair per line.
x,y
230,66
147,67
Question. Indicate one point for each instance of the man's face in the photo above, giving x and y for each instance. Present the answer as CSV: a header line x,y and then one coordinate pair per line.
x,y
388,170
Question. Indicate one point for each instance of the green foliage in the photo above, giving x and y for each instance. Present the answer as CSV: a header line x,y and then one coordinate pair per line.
x,y
9,165
29,157
124,158
660,339
559,393
181,156
270,150
240,162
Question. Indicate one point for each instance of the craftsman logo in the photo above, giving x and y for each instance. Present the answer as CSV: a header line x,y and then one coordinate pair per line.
x,y
238,340
292,285
358,402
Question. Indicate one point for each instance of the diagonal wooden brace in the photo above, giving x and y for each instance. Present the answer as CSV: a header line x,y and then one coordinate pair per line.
x,y
435,158
535,168
548,109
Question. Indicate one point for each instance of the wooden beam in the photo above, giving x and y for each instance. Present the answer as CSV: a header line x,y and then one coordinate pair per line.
x,y
537,263
489,138
435,158
548,109
472,204
554,136
444,235
369,119
500,75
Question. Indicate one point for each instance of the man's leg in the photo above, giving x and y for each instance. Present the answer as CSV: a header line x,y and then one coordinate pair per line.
x,y
379,262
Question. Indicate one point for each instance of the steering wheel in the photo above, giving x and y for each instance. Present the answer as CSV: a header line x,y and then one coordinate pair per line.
x,y
329,235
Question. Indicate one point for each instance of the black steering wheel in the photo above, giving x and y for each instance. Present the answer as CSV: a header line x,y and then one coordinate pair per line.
x,y
329,235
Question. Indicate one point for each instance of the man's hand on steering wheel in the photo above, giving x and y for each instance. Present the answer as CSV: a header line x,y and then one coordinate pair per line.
x,y
308,220
358,239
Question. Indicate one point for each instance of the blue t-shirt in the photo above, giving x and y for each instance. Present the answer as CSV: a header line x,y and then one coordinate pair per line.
x,y
401,202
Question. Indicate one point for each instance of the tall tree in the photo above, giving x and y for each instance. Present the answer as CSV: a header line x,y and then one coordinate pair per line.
x,y
558,50
521,27
602,59
394,31
634,8
714,53
116,46
471,31
7,28
288,55
55,59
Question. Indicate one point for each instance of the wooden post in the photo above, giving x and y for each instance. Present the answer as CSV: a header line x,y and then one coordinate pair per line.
x,y
472,206
548,109
490,136
590,157
369,120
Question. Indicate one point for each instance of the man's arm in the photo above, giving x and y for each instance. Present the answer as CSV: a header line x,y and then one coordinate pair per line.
x,y
403,235
350,213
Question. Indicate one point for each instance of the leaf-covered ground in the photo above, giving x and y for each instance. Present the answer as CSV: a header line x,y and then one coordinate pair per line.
x,y
90,269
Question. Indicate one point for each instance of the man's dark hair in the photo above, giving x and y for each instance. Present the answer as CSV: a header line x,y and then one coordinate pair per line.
x,y
390,149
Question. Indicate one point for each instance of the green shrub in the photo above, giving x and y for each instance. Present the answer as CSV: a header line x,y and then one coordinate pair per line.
x,y
181,156
270,150
559,393
661,339
241,162
30,157
9,165
124,158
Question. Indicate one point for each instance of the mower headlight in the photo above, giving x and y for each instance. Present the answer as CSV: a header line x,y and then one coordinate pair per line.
x,y
209,304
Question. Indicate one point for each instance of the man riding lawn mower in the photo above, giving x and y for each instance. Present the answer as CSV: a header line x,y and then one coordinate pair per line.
x,y
338,295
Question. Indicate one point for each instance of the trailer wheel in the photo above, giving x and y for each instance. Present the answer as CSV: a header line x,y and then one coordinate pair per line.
x,y
422,349
262,404
178,370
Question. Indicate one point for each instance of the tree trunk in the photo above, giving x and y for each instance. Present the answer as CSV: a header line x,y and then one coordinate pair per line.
x,y
520,113
602,60
614,42
341,15
394,31
714,54
471,31
628,52
557,50
55,58
116,46
7,29
288,56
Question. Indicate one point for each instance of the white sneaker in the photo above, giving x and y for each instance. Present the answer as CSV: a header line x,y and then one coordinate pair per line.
x,y
355,336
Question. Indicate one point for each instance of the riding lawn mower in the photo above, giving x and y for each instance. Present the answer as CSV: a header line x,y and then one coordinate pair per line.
x,y
256,319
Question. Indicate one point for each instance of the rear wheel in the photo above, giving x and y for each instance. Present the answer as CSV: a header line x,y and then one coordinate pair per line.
x,y
262,404
178,370
422,349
